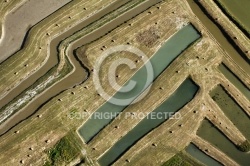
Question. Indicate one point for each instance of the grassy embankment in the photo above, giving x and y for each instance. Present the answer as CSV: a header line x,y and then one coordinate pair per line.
x,y
182,159
65,151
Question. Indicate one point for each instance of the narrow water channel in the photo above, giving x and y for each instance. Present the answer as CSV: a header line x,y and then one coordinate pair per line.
x,y
211,134
79,74
160,61
195,152
218,35
184,93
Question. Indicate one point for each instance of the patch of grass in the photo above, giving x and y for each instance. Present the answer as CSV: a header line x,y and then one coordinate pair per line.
x,y
181,159
177,160
245,146
65,150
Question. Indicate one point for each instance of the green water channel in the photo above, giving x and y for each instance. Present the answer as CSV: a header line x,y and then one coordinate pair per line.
x,y
234,80
195,152
232,110
184,93
211,134
239,10
160,61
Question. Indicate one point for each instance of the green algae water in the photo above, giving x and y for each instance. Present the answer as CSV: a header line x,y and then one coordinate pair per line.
x,y
239,10
172,48
184,93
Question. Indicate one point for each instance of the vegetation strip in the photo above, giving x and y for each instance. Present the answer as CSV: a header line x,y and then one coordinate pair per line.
x,y
234,35
231,55
35,54
64,151
182,159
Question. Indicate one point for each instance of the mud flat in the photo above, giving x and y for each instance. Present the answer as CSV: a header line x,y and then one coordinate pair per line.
x,y
195,152
232,110
186,90
17,23
169,51
208,132
5,8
